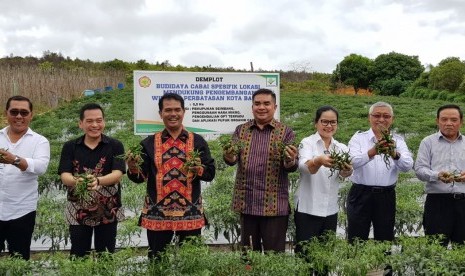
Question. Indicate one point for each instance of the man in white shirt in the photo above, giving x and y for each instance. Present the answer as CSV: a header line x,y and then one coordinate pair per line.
x,y
372,197
24,155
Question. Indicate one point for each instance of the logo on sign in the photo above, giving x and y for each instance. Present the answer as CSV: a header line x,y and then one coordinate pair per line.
x,y
271,81
144,81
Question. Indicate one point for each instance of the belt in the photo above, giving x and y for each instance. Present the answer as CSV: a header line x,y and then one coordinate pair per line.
x,y
375,189
458,196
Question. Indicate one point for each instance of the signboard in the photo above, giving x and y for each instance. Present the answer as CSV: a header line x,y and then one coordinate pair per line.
x,y
214,102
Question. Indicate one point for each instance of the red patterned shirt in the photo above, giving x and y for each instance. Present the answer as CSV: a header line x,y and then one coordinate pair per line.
x,y
173,200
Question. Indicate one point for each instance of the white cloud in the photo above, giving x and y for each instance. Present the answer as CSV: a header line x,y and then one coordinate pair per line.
x,y
272,34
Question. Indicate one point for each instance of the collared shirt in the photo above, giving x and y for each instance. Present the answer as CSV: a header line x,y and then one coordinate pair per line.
x,y
19,189
373,171
173,201
436,154
262,183
104,204
317,193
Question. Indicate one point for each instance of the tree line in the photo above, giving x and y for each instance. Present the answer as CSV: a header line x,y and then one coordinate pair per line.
x,y
395,73
388,74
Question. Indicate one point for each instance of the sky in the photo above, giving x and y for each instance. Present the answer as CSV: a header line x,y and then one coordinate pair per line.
x,y
303,35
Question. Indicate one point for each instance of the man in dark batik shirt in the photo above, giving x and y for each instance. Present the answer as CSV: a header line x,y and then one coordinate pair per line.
x,y
92,156
173,171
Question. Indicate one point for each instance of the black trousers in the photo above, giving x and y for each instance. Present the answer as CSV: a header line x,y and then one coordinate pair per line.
x,y
368,205
269,232
308,226
159,240
18,234
445,214
81,238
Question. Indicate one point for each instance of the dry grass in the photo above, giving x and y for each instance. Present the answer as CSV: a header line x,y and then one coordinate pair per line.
x,y
351,91
49,87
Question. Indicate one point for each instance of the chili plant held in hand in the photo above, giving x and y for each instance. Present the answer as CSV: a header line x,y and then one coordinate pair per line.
x,y
341,161
192,160
454,176
81,188
135,153
281,148
229,145
386,146
1,155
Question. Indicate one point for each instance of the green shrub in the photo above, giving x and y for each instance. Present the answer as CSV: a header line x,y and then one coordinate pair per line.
x,y
15,266
218,201
460,98
433,94
339,257
451,97
443,95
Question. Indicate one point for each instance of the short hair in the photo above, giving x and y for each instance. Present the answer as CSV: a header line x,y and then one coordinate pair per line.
x,y
170,96
325,108
447,106
381,104
90,106
19,99
264,91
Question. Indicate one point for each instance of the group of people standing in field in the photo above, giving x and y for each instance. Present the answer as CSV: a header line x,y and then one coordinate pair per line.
x,y
174,161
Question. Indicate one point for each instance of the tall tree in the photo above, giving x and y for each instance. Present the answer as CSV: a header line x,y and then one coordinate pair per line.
x,y
353,70
448,75
395,68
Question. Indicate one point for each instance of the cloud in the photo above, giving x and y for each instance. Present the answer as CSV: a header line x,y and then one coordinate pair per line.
x,y
271,34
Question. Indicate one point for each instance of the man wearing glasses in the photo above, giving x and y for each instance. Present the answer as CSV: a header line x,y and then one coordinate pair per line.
x,y
372,197
24,155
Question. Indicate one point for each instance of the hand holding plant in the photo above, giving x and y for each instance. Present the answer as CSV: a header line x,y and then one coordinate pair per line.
x,y
341,161
290,152
2,154
386,146
193,165
85,182
450,177
230,147
133,157
287,151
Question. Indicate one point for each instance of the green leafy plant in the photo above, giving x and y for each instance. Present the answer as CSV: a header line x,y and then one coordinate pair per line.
x,y
228,144
337,256
134,152
50,221
192,160
1,155
80,190
218,199
386,147
280,148
341,161
409,205
453,176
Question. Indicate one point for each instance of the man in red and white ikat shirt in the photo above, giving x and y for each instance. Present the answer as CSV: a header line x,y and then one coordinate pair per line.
x,y
174,161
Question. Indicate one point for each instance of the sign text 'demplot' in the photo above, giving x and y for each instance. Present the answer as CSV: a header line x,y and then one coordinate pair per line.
x,y
214,102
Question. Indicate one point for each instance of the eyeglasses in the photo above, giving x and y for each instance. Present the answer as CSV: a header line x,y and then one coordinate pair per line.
x,y
328,122
378,116
15,112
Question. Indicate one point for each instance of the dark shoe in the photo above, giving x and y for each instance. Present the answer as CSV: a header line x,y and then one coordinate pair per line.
x,y
387,271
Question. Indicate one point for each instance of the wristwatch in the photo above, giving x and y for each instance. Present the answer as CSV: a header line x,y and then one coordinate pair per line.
x,y
17,161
